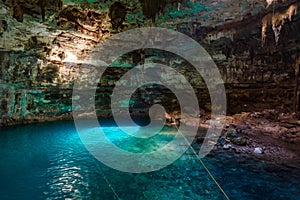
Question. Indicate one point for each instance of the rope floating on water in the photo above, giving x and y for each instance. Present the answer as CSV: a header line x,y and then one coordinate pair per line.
x,y
201,161
204,166
110,186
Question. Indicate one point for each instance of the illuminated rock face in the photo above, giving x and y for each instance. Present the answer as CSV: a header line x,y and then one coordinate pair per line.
x,y
39,62
277,21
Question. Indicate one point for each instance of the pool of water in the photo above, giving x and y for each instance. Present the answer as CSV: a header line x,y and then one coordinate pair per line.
x,y
49,161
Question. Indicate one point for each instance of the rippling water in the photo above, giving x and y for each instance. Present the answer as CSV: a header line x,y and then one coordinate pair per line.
x,y
48,161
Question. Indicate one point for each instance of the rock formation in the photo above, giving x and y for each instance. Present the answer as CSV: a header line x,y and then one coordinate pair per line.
x,y
40,61
151,8
117,14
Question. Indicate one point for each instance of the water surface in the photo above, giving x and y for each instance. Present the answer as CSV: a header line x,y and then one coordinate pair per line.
x,y
49,161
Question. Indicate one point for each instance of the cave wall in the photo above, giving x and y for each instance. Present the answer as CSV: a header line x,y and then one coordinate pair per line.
x,y
39,66
258,75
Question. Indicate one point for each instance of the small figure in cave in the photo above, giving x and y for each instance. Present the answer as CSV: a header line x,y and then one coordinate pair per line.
x,y
117,14
18,13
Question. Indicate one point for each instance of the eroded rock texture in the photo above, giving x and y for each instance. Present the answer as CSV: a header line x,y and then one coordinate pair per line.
x,y
40,60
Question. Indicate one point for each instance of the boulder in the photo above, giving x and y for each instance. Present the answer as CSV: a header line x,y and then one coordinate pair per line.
x,y
226,146
241,141
231,133
258,150
221,141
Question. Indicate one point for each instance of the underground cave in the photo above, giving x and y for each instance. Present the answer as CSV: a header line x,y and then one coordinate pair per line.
x,y
149,99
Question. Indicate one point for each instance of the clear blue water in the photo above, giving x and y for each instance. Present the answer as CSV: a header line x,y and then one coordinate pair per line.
x,y
48,161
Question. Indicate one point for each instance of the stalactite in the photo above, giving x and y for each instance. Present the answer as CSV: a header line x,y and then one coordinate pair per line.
x,y
292,10
117,14
269,2
277,21
151,8
266,21
277,30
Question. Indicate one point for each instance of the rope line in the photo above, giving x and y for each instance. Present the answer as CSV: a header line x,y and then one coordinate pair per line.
x,y
110,186
198,157
204,166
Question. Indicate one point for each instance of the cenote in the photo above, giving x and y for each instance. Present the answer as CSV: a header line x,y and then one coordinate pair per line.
x,y
49,161
62,60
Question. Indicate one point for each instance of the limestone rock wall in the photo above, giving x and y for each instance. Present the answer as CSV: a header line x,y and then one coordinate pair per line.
x,y
39,62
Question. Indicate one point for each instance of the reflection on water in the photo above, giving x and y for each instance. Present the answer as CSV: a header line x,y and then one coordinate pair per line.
x,y
48,161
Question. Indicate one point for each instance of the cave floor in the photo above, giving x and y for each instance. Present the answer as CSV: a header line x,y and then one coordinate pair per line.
x,y
275,133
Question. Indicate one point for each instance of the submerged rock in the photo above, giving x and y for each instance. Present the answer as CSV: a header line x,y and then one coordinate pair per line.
x,y
231,133
258,150
241,141
221,141
226,146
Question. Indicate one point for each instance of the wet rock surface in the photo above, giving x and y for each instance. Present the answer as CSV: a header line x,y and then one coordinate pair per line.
x,y
268,135
40,62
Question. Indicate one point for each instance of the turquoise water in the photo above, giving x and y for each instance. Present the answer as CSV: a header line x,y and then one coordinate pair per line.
x,y
49,161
